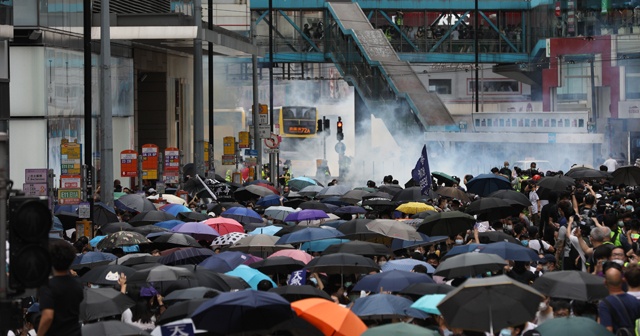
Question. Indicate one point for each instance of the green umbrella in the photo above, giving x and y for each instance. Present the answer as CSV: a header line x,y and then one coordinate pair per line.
x,y
399,329
448,180
572,325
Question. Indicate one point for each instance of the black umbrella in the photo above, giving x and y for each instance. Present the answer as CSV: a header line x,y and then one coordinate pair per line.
x,y
106,274
418,290
115,227
413,194
342,263
150,217
186,294
377,194
169,240
491,207
354,196
556,183
512,197
572,285
111,328
359,248
147,229
357,229
192,255
244,194
587,173
447,223
295,293
160,273
103,214
485,184
315,205
103,302
294,203
121,238
137,259
192,216
452,192
469,264
221,282
134,203
68,219
496,236
379,204
279,264
180,310
391,189
628,175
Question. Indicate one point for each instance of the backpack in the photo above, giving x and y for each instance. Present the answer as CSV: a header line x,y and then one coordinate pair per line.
x,y
633,330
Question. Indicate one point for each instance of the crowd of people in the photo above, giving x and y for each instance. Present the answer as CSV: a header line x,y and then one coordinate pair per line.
x,y
588,225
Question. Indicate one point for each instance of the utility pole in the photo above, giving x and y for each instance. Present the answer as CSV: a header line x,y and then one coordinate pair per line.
x,y
106,113
212,168
257,142
273,164
88,127
198,113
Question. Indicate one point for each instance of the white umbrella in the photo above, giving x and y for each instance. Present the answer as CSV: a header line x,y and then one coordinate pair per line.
x,y
279,212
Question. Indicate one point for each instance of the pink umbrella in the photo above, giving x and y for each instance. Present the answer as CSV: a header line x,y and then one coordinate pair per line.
x,y
224,225
295,254
196,230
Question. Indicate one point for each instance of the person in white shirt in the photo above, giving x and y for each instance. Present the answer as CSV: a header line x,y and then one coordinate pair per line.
x,y
611,164
535,207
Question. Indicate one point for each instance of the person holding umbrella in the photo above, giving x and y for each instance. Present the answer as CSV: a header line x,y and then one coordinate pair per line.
x,y
619,310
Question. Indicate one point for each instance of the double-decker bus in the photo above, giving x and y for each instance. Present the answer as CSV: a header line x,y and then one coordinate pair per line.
x,y
297,121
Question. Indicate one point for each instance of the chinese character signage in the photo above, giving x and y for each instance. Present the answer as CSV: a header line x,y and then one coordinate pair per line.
x,y
128,163
150,162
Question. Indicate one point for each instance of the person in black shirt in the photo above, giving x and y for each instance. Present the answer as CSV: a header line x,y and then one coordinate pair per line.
x,y
60,298
549,216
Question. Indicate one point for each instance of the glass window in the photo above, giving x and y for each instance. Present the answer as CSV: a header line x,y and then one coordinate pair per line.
x,y
441,86
575,82
632,78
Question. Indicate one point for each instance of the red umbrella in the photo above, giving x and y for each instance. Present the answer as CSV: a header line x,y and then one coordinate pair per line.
x,y
270,187
224,225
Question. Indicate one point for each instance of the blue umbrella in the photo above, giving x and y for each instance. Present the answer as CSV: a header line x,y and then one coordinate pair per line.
x,y
334,223
226,261
174,209
510,251
321,245
268,230
91,258
350,210
308,234
251,275
307,214
169,224
269,200
57,224
460,249
429,303
384,306
242,311
405,265
66,208
335,200
391,281
485,184
95,240
399,244
242,215
299,183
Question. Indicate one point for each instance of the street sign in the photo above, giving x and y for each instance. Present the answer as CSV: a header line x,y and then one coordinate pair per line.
x,y
128,163
171,177
228,160
243,140
69,196
229,146
172,159
35,175
150,161
272,142
70,181
273,150
70,159
34,189
251,152
84,210
264,131
340,147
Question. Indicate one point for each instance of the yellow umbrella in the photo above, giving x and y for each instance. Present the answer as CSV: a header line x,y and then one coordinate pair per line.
x,y
413,208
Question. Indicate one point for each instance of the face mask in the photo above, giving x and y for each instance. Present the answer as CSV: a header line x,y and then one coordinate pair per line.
x,y
269,222
505,332
524,242
542,306
620,223
619,262
629,207
509,227
545,268
381,263
458,241
347,284
95,286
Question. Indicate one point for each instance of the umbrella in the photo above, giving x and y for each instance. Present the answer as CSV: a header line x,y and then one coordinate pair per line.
x,y
452,192
174,209
587,173
111,328
512,197
172,239
421,289
460,249
103,302
150,217
557,183
306,215
227,261
172,199
321,245
310,191
160,273
469,264
412,194
394,229
261,243
400,329
392,189
485,184
192,293
103,214
279,212
135,258
276,264
196,230
243,311
448,223
357,228
299,183
269,200
180,309
573,285
429,303
413,208
390,281
148,229
308,234
353,196
448,180
350,210
406,264
191,216
496,236
399,244
510,251
242,215
334,200
91,259
334,190
228,239
382,306
378,194
122,238
329,317
295,254
268,230
342,263
358,247
134,203
490,303
115,227
492,207
295,293
572,325
263,189
106,274
191,255
209,278
315,205
170,224
67,218
379,204
627,175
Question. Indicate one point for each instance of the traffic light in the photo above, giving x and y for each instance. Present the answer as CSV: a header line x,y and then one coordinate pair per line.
x,y
327,126
339,134
319,126
29,224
